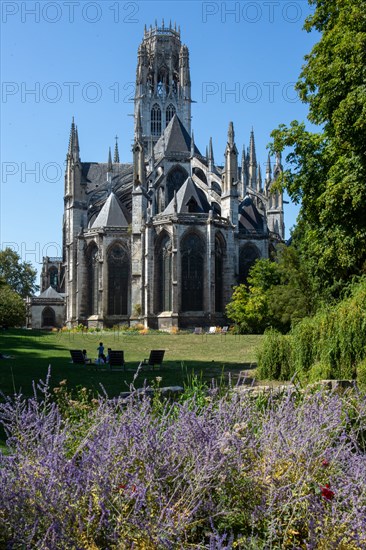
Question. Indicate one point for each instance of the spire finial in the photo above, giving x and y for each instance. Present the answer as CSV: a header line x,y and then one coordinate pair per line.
x,y
231,134
72,136
268,168
110,166
252,154
210,151
116,152
192,145
210,156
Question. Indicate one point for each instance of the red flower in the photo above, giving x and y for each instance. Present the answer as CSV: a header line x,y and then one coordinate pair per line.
x,y
327,492
325,463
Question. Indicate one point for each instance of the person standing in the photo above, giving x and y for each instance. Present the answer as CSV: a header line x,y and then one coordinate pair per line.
x,y
100,350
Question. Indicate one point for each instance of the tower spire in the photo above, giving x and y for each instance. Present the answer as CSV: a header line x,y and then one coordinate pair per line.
x,y
210,156
252,153
268,170
259,180
231,134
116,152
110,166
252,162
72,137
76,144
192,145
74,149
244,171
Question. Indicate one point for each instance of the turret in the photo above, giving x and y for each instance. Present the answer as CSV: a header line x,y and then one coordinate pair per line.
x,y
268,174
210,158
229,198
231,161
139,176
244,173
252,162
116,152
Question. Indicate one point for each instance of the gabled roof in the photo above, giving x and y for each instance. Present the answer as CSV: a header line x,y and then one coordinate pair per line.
x,y
250,219
187,193
50,293
175,139
112,214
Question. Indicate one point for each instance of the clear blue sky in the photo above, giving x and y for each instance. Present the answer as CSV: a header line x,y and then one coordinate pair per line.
x,y
78,58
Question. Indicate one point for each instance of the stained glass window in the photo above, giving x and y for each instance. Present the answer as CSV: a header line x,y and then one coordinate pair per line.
x,y
93,271
164,275
156,120
192,258
118,280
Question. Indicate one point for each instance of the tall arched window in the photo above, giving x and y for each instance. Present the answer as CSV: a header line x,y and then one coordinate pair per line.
x,y
118,281
93,274
164,275
170,112
192,259
248,255
48,317
155,120
53,277
219,272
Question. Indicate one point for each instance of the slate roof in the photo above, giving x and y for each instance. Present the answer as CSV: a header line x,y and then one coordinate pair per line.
x,y
50,293
94,174
250,219
175,139
185,194
113,214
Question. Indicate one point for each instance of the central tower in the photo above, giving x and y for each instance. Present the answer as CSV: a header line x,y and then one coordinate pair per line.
x,y
163,83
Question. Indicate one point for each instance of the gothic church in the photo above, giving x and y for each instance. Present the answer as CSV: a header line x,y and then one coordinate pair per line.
x,y
162,240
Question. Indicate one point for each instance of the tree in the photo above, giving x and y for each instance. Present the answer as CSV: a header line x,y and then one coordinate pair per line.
x,y
19,276
12,307
278,294
328,169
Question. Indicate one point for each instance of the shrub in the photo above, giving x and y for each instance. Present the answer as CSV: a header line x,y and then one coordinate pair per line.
x,y
329,344
320,371
361,374
274,356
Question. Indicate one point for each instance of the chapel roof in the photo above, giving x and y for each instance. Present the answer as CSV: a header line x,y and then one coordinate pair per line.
x,y
50,293
175,139
185,195
113,214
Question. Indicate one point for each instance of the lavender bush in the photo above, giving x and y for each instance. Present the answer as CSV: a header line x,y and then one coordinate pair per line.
x,y
252,473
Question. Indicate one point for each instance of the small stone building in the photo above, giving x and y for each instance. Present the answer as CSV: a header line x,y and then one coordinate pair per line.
x,y
47,310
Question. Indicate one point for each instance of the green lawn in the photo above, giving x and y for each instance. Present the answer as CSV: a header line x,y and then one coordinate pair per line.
x,y
34,351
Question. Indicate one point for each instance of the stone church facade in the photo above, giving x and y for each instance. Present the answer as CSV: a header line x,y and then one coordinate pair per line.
x,y
162,240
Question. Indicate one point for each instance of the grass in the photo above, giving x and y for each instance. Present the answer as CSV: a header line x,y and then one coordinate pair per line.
x,y
33,351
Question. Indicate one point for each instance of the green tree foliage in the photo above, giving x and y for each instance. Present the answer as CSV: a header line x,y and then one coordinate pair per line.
x,y
12,307
331,344
328,169
19,276
278,294
249,304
